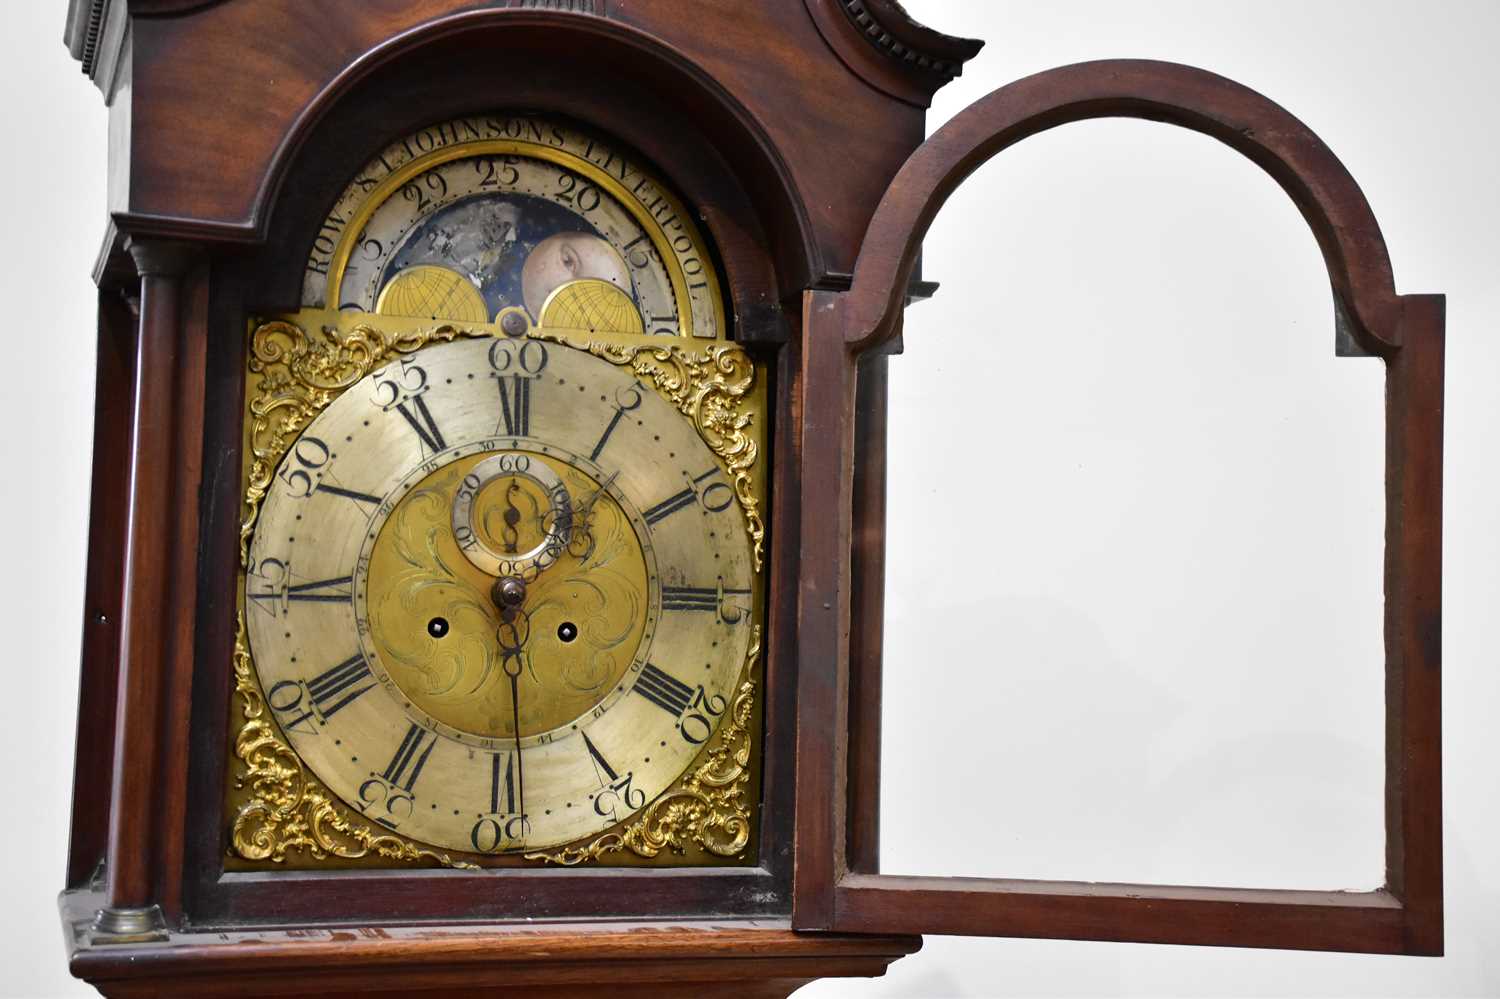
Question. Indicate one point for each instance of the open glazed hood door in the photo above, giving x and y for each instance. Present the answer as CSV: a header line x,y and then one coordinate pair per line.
x,y
838,887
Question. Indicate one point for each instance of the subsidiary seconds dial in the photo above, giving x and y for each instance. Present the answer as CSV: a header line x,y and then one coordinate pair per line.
x,y
500,595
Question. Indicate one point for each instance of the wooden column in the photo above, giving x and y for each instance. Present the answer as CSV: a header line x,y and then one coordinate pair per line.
x,y
131,912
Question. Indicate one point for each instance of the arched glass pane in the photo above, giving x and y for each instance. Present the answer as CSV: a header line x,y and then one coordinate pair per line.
x,y
1134,539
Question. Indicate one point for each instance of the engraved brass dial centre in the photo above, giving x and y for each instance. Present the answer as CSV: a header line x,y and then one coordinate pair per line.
x,y
591,584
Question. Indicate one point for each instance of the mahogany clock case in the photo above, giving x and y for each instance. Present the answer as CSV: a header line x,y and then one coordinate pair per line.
x,y
795,130
780,212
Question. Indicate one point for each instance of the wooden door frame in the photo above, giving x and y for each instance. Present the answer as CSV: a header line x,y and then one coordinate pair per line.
x,y
836,885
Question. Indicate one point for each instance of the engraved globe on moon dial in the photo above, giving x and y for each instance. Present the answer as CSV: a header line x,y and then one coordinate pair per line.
x,y
499,595
470,217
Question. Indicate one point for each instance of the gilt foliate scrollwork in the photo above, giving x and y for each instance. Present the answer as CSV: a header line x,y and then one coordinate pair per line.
x,y
300,374
708,388
711,808
288,812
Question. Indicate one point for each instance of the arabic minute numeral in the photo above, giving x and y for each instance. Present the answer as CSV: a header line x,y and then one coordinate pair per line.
x,y
614,789
585,196
402,387
515,367
304,466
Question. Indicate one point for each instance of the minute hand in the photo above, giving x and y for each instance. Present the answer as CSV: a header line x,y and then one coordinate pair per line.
x,y
514,630
581,543
515,714
587,503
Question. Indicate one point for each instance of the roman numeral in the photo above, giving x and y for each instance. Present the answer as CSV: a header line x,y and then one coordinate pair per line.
x,y
720,600
309,591
670,505
689,598
406,765
714,497
599,759
507,783
664,690
662,324
515,405
614,421
422,422
357,497
627,399
330,690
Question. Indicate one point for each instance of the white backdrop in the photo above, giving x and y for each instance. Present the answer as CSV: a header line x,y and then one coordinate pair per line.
x,y
1102,681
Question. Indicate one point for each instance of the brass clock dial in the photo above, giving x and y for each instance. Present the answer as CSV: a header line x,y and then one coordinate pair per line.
x,y
411,683
472,216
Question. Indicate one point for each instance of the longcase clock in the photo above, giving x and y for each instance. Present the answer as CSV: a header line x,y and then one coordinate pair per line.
x,y
487,520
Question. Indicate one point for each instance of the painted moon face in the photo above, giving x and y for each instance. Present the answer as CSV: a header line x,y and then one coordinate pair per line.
x,y
498,213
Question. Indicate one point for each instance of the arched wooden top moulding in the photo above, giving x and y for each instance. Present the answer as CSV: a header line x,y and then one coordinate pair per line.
x,y
879,42
756,192
1359,267
566,28
86,23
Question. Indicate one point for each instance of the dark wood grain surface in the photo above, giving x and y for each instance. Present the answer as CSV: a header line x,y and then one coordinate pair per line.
x,y
690,959
103,600
160,481
764,65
